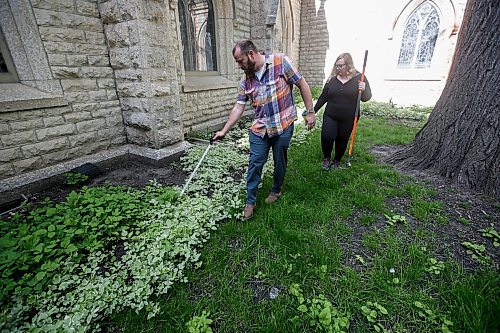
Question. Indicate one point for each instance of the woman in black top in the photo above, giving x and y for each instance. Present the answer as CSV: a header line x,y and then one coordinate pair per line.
x,y
341,94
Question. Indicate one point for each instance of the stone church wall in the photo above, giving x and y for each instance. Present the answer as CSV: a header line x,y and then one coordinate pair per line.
x,y
313,48
81,115
94,76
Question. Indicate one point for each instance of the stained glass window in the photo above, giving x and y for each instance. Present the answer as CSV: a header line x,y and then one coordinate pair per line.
x,y
419,37
197,25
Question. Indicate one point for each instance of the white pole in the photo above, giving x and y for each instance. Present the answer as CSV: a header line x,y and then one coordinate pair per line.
x,y
194,171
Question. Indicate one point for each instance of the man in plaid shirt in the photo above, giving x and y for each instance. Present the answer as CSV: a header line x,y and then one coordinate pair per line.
x,y
267,84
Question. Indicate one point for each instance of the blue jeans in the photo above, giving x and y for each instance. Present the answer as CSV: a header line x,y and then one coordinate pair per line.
x,y
259,150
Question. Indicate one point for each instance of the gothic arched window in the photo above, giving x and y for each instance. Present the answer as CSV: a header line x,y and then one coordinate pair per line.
x,y
419,37
197,25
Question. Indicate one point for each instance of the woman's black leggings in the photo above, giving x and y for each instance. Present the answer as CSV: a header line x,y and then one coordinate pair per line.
x,y
337,131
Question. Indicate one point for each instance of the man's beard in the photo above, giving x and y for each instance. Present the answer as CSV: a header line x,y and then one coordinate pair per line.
x,y
250,70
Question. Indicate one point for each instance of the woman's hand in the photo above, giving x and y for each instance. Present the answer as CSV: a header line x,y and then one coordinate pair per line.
x,y
361,86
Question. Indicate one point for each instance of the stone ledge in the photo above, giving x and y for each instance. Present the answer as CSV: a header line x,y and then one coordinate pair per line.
x,y
158,155
207,82
35,181
17,97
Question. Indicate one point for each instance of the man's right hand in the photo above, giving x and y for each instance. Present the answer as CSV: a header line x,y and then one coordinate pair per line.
x,y
218,135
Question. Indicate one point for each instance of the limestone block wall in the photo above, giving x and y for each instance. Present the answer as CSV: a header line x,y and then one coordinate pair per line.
x,y
242,23
140,37
242,19
206,106
260,33
95,75
89,119
314,42
275,26
209,103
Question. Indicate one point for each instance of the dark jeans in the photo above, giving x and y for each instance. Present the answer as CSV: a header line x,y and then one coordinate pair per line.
x,y
259,150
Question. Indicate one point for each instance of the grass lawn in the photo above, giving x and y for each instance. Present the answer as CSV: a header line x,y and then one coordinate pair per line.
x,y
337,248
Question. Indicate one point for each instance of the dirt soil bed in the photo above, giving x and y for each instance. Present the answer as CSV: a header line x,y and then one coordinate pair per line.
x,y
132,173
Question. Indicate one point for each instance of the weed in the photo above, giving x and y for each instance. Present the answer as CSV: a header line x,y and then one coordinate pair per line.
x,y
131,269
373,313
200,324
490,232
360,259
392,220
477,251
73,178
438,322
319,313
463,220
388,110
435,266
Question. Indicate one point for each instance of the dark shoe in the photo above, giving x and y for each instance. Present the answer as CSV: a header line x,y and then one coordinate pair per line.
x,y
248,212
326,164
335,164
272,197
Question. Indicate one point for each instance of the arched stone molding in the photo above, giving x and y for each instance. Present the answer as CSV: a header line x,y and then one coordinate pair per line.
x,y
446,7
35,84
285,28
443,49
291,21
224,11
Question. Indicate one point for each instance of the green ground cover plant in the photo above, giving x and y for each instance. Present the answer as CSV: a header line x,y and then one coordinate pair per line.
x,y
73,178
392,111
65,266
332,255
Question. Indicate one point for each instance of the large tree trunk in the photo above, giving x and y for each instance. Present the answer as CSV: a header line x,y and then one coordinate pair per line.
x,y
461,140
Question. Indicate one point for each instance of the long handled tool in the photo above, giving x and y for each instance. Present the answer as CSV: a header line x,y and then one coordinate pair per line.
x,y
210,144
356,114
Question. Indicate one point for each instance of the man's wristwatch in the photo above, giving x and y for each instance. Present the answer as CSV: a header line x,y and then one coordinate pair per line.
x,y
311,110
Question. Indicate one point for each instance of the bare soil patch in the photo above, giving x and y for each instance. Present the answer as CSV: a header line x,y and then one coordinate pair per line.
x,y
133,174
467,212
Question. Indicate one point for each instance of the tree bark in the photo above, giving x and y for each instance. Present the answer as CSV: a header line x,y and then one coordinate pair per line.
x,y
461,139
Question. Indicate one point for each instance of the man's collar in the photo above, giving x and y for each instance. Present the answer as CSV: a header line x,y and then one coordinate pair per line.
x,y
269,58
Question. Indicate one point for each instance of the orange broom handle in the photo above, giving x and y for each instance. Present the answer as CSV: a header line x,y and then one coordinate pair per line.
x,y
356,114
353,134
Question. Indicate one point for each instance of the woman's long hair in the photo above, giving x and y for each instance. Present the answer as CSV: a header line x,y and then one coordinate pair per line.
x,y
351,70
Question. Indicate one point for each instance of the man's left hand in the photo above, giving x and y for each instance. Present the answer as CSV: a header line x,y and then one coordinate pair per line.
x,y
311,120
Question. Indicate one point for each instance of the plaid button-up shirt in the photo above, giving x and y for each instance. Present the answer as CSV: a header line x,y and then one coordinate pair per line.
x,y
271,96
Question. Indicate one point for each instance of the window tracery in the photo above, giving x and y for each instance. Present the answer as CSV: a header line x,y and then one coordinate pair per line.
x,y
419,37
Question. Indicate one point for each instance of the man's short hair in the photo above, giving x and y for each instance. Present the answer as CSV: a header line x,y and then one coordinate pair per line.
x,y
245,46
